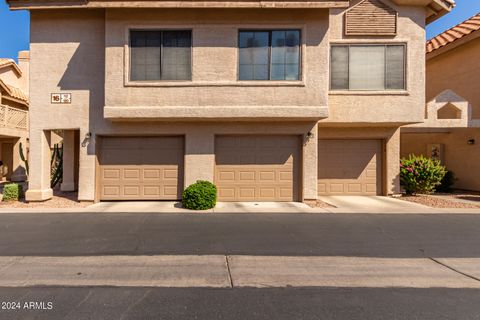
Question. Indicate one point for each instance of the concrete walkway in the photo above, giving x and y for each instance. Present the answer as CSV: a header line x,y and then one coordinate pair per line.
x,y
340,204
238,271
374,204
221,207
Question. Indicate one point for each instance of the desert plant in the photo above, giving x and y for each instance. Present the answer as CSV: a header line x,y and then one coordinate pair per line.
x,y
12,192
22,156
201,195
56,165
447,182
419,174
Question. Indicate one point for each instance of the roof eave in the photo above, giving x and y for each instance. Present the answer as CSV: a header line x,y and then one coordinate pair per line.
x,y
75,4
14,66
437,9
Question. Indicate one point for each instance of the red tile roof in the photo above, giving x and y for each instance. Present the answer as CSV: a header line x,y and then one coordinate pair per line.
x,y
451,35
14,92
5,62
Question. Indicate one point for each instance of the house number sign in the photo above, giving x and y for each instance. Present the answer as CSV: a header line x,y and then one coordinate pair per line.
x,y
61,98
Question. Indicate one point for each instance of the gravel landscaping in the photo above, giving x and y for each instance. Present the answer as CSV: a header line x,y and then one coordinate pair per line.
x,y
318,204
60,200
445,200
463,195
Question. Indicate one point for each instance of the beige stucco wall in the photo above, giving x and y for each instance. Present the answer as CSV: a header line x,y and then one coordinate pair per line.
x,y
384,107
24,65
215,59
459,71
459,157
67,55
71,60
83,52
200,142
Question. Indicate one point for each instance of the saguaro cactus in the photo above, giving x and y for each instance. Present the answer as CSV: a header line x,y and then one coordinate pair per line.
x,y
22,156
56,165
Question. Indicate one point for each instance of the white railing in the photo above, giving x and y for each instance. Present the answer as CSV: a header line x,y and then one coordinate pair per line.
x,y
13,118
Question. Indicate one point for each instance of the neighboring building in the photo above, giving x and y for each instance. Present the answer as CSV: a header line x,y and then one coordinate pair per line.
x,y
452,120
159,94
13,116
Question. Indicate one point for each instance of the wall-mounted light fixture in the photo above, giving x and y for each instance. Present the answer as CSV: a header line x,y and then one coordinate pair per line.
x,y
308,136
86,140
471,141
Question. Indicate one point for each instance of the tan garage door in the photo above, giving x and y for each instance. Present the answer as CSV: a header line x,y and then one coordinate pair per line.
x,y
350,167
141,168
257,168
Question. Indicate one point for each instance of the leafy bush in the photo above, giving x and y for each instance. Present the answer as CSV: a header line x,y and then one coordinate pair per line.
x,y
201,195
12,192
419,174
447,182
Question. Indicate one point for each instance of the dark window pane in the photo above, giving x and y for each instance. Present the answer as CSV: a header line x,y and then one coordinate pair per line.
x,y
176,55
339,68
145,55
253,55
285,52
395,67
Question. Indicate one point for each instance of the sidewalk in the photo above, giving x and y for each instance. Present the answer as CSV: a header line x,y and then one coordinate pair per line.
x,y
340,204
221,271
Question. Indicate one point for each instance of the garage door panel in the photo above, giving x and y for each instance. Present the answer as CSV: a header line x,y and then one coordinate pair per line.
x,y
148,168
152,174
257,168
129,174
349,167
111,173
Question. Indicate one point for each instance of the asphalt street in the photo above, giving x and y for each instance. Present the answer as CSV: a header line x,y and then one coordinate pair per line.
x,y
348,235
245,304
361,235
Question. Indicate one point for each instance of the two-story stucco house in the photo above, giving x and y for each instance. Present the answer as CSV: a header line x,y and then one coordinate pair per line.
x,y
451,131
13,116
271,100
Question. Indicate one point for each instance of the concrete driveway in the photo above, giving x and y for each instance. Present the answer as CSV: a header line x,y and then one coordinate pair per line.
x,y
373,204
340,204
221,207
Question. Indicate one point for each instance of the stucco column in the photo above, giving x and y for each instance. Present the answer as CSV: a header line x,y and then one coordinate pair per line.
x,y
393,163
18,170
68,179
39,172
86,178
310,165
199,157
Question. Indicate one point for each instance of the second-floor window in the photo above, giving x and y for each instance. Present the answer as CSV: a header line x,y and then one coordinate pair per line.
x,y
269,55
367,67
160,55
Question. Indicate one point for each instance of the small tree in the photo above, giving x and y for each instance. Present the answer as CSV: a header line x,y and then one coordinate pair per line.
x,y
419,174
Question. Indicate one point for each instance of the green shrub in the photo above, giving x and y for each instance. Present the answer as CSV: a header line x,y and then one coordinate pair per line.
x,y
201,195
12,192
447,182
419,174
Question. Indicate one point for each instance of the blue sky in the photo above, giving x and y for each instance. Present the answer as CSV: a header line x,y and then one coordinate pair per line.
x,y
14,25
